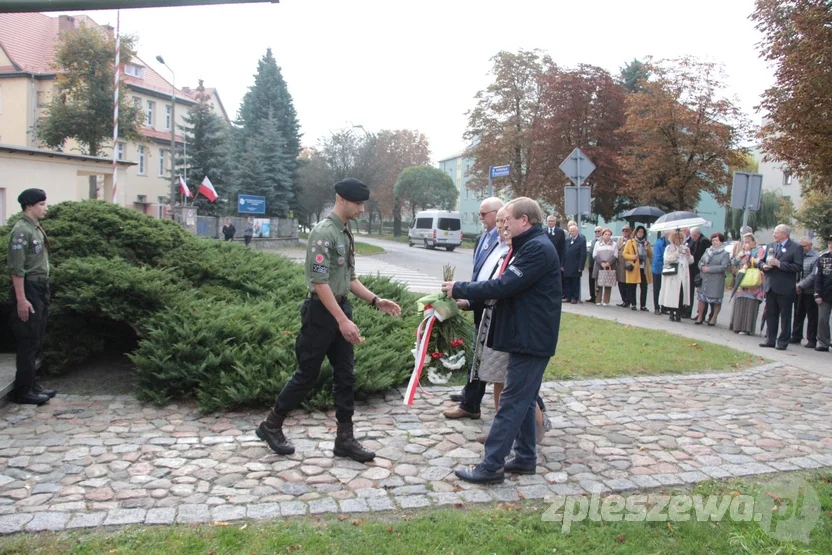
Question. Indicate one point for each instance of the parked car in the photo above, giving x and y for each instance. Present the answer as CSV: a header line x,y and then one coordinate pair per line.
x,y
436,228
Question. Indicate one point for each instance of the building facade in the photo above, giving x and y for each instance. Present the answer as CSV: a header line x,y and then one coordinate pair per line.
x,y
27,80
468,201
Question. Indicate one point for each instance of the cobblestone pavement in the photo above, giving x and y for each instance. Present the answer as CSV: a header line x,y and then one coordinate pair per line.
x,y
105,460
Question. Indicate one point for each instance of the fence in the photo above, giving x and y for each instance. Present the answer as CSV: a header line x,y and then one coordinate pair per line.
x,y
268,232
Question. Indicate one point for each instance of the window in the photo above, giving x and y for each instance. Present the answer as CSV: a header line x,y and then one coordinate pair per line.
x,y
141,160
150,108
137,102
162,163
449,224
167,117
43,98
119,151
134,70
160,207
787,177
424,223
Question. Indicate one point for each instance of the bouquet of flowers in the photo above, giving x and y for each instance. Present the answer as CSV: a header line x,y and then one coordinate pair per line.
x,y
442,339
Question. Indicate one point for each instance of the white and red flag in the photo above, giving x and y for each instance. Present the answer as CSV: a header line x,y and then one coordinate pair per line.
x,y
184,188
207,189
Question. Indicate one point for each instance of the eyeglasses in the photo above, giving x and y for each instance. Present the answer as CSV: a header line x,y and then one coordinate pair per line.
x,y
597,231
484,214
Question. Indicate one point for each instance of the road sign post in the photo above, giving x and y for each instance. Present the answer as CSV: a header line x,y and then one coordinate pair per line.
x,y
746,193
496,171
577,168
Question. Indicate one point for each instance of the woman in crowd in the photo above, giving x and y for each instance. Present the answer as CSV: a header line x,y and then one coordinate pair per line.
x,y
574,261
675,276
638,254
712,266
248,232
603,267
747,299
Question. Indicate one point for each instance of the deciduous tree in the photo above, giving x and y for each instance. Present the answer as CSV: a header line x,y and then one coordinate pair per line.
x,y
816,212
682,136
315,185
426,187
396,150
797,42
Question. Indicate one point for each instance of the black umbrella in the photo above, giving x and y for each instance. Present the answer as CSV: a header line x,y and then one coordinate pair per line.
x,y
644,214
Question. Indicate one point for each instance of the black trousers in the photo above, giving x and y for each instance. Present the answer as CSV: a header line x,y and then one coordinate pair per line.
x,y
779,312
29,335
622,290
473,393
657,287
688,310
247,239
320,337
591,287
631,291
806,309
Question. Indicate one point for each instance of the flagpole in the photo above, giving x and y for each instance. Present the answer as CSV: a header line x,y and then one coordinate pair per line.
x,y
117,74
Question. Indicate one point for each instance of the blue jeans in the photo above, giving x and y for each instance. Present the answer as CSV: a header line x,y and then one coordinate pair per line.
x,y
515,419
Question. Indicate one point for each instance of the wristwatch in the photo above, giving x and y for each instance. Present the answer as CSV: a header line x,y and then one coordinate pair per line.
x,y
373,302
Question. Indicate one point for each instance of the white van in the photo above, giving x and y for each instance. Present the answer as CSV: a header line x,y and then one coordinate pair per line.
x,y
436,228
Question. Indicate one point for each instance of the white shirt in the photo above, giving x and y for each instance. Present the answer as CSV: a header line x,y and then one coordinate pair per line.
x,y
490,265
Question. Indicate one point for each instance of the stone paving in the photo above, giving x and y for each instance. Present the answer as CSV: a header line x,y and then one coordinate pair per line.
x,y
104,460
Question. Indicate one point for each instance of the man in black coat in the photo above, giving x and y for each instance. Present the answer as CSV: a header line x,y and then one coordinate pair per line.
x,y
783,262
556,235
698,244
526,326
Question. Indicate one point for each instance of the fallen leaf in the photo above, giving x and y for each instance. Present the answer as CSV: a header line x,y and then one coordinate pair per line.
x,y
342,517
520,495
244,526
459,505
509,538
358,522
619,538
774,496
220,524
669,527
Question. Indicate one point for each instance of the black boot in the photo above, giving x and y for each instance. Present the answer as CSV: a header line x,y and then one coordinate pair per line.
x,y
29,397
43,391
270,430
347,446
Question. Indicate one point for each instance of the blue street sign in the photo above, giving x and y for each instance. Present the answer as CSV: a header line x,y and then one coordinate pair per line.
x,y
251,204
500,171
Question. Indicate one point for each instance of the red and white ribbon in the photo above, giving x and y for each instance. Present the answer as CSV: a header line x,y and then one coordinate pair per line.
x,y
423,333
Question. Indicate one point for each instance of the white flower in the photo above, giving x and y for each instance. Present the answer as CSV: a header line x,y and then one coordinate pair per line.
x,y
454,362
435,377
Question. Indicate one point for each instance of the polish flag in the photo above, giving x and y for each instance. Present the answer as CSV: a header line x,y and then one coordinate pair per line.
x,y
184,188
207,189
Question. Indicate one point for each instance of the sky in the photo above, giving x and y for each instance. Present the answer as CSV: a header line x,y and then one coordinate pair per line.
x,y
417,65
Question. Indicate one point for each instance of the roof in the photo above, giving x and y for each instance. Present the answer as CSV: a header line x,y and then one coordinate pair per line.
x,y
14,149
29,41
460,154
212,92
163,136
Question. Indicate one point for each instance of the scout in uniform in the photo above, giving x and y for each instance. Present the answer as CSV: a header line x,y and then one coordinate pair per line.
x,y
29,266
327,329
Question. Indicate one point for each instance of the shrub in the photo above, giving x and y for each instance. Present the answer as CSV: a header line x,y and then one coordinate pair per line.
x,y
202,319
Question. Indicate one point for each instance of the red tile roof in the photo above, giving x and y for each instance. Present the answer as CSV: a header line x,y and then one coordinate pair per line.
x,y
29,41
159,135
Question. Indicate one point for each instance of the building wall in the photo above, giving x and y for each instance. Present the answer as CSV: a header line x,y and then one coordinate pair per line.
x,y
14,111
468,201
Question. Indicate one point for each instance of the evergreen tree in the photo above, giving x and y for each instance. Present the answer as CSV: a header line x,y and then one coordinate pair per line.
x,y
205,136
269,126
633,75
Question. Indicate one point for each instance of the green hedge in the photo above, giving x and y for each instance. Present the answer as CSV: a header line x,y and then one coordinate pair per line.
x,y
202,319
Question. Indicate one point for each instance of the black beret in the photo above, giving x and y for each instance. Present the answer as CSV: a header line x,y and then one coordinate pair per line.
x,y
31,196
352,190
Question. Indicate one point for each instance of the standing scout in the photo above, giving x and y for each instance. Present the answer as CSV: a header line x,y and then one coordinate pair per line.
x,y
29,266
326,324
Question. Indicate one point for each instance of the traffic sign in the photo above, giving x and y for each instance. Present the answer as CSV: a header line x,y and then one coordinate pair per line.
x,y
577,167
500,171
571,200
746,190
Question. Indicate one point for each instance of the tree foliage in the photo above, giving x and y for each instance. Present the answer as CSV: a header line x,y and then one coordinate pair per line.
x,y
816,212
426,187
267,142
500,127
581,107
797,41
682,136
206,137
633,75
315,183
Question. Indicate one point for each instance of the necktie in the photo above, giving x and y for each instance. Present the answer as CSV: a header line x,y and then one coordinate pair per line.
x,y
505,262
45,239
352,245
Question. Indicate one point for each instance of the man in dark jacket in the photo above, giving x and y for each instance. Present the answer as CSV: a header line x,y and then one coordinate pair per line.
x,y
806,308
823,295
697,244
228,230
783,261
526,324
556,235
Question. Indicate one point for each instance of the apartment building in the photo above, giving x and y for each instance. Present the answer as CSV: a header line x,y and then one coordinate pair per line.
x,y
27,78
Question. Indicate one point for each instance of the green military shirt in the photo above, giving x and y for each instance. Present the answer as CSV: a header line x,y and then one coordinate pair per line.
x,y
330,257
28,256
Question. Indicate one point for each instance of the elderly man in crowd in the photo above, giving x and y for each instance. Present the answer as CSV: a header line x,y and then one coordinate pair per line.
x,y
823,295
526,326
806,308
783,262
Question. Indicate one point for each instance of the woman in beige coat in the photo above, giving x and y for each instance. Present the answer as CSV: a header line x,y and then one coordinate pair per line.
x,y
675,276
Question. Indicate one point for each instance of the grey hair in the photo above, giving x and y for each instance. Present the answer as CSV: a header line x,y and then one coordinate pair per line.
x,y
783,228
494,203
694,230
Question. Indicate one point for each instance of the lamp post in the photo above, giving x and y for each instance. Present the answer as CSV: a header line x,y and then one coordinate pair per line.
x,y
161,60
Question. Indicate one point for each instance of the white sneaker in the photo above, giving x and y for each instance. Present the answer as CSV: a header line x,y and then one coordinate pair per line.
x,y
606,304
597,304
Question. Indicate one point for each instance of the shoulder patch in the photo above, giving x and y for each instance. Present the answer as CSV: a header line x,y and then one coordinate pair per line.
x,y
319,258
318,269
515,270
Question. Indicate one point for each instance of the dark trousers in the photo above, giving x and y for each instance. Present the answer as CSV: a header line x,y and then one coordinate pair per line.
x,y
573,288
688,310
320,337
657,287
514,423
29,335
622,290
631,291
473,393
806,309
591,287
778,312
247,239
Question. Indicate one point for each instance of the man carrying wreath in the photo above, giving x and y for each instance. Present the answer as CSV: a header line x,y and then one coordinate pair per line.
x,y
526,324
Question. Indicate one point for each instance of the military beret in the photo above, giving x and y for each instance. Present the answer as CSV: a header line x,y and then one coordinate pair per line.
x,y
352,190
31,196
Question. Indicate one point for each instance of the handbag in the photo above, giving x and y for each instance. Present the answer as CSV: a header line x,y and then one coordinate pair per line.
x,y
606,278
671,270
752,278
629,266
697,280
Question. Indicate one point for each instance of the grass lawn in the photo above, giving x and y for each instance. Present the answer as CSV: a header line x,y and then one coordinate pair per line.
x,y
366,248
595,348
501,528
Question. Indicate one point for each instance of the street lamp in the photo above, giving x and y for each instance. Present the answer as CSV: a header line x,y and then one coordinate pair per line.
x,y
161,60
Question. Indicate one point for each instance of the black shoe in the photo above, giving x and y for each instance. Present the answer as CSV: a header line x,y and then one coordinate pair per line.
x,y
623,305
795,341
634,308
457,397
698,322
477,475
270,430
347,446
767,345
810,345
48,392
781,347
515,468
30,397
822,349
657,312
